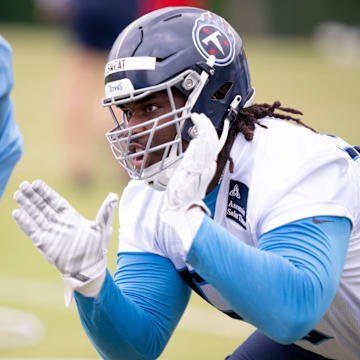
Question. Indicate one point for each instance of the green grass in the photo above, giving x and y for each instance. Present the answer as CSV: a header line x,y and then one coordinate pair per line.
x,y
289,70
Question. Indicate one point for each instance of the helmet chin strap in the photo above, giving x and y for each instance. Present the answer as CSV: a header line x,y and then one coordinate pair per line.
x,y
231,115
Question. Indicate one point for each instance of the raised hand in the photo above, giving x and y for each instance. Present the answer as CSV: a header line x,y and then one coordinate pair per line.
x,y
75,245
193,175
187,187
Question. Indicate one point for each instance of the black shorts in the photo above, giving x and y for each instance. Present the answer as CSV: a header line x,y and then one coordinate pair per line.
x,y
260,347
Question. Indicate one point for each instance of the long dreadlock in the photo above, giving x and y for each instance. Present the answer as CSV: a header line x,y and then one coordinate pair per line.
x,y
247,118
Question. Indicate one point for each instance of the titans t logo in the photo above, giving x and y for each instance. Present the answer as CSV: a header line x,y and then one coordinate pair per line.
x,y
212,35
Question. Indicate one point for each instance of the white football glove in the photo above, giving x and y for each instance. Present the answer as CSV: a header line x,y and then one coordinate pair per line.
x,y
75,245
187,187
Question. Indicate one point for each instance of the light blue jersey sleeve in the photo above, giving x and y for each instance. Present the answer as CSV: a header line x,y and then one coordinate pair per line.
x,y
286,284
11,144
137,311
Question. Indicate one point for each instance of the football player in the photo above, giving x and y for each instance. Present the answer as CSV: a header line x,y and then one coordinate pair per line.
x,y
11,143
228,198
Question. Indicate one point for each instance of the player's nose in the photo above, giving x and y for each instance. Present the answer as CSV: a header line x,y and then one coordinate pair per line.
x,y
138,124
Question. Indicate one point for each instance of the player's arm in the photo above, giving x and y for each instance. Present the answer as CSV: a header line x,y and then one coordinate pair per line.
x,y
284,286
131,317
135,313
11,144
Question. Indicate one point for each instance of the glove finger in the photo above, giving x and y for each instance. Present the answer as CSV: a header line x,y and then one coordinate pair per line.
x,y
106,212
172,196
203,148
50,196
205,127
104,219
207,131
206,177
177,193
35,206
26,224
36,199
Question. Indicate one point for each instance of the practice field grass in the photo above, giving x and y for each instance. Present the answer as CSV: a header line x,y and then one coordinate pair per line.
x,y
289,70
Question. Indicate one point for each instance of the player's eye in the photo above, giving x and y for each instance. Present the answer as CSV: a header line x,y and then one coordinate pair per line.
x,y
128,113
150,108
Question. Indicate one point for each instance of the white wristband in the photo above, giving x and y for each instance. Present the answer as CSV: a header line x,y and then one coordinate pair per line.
x,y
93,287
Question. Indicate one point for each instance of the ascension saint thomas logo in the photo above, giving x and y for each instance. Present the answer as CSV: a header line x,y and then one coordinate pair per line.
x,y
212,35
237,202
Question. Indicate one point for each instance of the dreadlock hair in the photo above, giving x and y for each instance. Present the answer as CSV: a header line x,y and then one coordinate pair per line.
x,y
248,117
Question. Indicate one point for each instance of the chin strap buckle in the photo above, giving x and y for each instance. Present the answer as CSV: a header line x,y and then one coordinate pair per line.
x,y
233,109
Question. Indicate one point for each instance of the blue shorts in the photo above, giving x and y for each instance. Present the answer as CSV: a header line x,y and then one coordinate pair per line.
x,y
97,23
260,347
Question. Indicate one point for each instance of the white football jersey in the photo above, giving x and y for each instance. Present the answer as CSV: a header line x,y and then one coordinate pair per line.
x,y
284,174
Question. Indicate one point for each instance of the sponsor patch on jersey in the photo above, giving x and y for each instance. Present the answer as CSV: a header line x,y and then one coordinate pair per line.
x,y
212,35
237,202
130,63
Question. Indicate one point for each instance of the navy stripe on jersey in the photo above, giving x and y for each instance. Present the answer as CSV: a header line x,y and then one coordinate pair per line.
x,y
232,314
193,280
316,337
198,278
188,277
354,154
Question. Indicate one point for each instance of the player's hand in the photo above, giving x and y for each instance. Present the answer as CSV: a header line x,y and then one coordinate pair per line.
x,y
187,187
196,169
75,245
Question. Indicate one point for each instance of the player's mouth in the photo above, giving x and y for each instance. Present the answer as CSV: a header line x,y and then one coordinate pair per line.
x,y
135,148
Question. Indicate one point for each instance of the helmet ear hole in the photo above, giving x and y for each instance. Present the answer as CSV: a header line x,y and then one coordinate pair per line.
x,y
221,93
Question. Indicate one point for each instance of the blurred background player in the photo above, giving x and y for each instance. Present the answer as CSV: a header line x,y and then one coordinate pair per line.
x,y
92,27
11,143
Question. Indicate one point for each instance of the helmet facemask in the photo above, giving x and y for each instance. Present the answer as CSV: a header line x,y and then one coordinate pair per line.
x,y
122,136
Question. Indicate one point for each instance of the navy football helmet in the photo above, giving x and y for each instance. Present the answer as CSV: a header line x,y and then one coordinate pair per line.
x,y
184,48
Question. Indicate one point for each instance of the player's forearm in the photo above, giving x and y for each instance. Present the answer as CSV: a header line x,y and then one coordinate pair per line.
x,y
110,322
281,291
136,314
